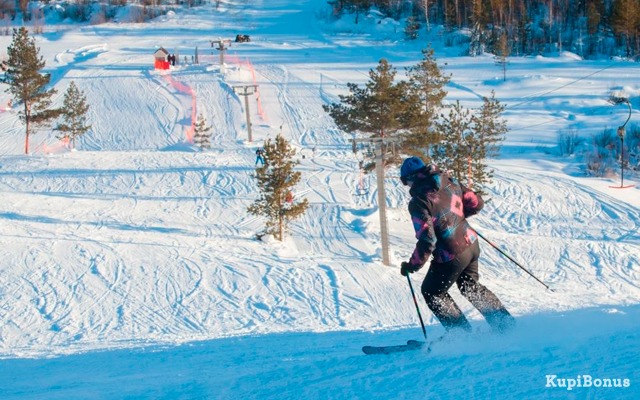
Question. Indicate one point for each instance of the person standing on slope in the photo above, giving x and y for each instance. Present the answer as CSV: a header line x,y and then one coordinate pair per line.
x,y
439,207
259,156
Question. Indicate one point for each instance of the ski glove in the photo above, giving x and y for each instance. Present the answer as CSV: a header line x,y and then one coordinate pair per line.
x,y
407,268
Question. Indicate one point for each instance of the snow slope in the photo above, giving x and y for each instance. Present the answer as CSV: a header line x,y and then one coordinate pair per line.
x,y
331,366
130,269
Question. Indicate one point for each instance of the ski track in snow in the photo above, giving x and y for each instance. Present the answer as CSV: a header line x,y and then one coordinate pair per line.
x,y
191,219
191,216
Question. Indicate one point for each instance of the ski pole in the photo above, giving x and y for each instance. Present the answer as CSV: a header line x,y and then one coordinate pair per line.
x,y
510,259
424,331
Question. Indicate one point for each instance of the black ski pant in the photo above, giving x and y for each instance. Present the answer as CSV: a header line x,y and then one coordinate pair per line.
x,y
463,270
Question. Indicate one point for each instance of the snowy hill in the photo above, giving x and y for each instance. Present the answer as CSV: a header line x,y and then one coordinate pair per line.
x,y
129,268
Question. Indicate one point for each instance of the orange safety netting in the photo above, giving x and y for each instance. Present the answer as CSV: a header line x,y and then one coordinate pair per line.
x,y
184,88
57,147
248,66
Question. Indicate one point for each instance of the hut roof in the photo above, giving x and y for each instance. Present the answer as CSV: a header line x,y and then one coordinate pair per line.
x,y
161,52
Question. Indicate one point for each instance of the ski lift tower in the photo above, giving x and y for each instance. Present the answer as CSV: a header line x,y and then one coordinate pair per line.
x,y
621,133
381,149
246,91
223,45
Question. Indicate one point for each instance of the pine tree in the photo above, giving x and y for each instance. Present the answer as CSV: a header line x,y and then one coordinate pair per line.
x,y
451,153
426,86
360,7
411,28
276,179
625,21
74,114
27,85
477,41
488,131
378,109
593,26
202,133
593,18
450,15
502,50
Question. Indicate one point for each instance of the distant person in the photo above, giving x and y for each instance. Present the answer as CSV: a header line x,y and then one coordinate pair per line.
x,y
259,156
439,207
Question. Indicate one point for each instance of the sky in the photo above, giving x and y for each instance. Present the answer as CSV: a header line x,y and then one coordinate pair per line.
x,y
130,268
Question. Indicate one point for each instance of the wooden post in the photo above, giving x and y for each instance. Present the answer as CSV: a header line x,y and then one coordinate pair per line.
x,y
382,196
382,205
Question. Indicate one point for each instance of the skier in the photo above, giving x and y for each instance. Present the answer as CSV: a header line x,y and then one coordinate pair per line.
x,y
260,156
439,207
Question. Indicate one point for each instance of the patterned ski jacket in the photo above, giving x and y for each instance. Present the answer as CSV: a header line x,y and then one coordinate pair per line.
x,y
439,207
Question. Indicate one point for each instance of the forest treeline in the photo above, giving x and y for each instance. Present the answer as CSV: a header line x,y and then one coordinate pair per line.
x,y
589,28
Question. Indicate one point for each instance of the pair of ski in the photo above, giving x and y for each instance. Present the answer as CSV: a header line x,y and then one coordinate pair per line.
x,y
411,345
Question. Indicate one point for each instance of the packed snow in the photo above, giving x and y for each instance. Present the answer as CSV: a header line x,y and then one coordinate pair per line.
x,y
131,269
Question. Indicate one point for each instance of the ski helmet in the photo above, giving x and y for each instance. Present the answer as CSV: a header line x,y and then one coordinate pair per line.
x,y
409,167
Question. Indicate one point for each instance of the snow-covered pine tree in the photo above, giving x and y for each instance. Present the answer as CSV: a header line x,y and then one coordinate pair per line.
x,y
27,85
202,133
276,180
74,115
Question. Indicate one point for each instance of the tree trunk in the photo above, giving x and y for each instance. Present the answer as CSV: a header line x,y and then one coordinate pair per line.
x,y
425,4
27,123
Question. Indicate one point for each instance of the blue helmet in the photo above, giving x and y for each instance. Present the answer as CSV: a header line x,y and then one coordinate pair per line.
x,y
410,166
